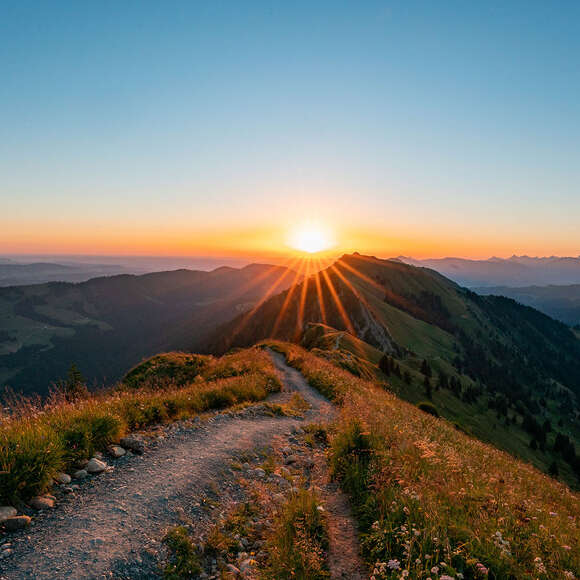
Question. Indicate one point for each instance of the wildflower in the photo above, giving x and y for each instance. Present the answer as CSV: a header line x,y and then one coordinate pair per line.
x,y
394,565
459,576
566,548
540,568
569,574
481,569
445,577
435,570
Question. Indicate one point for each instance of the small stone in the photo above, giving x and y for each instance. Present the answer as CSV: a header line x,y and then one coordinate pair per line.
x,y
63,478
308,463
80,474
259,472
67,489
81,463
41,502
116,451
96,466
291,459
134,443
17,523
6,512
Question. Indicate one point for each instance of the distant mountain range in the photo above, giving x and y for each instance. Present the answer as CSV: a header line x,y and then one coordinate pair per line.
x,y
560,302
514,271
18,274
108,324
23,270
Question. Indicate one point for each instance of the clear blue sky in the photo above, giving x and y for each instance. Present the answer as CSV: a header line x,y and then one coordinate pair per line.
x,y
408,126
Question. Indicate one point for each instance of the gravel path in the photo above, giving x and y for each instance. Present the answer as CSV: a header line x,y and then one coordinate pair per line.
x,y
115,516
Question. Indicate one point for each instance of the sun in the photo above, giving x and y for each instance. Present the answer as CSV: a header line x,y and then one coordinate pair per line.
x,y
310,238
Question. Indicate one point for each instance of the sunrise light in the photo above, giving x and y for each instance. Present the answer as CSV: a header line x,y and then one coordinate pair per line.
x,y
310,238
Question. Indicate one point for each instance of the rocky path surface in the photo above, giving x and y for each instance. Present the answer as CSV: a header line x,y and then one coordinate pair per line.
x,y
116,516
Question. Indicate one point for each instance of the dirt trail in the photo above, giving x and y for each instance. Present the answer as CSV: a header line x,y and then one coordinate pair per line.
x,y
107,525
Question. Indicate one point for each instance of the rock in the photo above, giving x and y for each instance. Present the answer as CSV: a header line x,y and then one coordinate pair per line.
x,y
63,478
308,463
116,451
17,523
291,459
96,466
259,472
80,474
284,483
41,503
284,471
133,443
81,463
6,512
286,450
67,489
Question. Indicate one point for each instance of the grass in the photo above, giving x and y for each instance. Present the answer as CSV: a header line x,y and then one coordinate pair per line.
x,y
298,544
222,538
183,561
434,502
39,441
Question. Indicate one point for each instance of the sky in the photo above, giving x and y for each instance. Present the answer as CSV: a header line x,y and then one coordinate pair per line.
x,y
218,128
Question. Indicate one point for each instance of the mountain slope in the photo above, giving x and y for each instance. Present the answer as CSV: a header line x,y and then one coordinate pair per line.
x,y
106,325
486,352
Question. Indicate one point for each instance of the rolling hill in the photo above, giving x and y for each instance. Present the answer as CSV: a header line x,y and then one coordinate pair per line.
x,y
503,371
108,324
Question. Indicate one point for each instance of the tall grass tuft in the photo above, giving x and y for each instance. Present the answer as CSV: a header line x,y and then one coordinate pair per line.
x,y
299,541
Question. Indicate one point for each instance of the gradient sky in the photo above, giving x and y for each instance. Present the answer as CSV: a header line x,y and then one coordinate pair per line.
x,y
418,128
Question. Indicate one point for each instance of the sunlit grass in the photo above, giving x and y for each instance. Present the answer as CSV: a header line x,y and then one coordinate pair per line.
x,y
429,497
37,444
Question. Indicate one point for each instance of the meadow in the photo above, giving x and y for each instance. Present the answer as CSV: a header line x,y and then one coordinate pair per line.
x,y
433,502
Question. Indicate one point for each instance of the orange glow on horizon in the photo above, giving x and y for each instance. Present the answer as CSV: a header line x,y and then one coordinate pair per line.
x,y
260,242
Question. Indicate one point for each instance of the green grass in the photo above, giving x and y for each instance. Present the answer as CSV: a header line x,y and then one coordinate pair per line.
x,y
41,442
298,544
184,561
